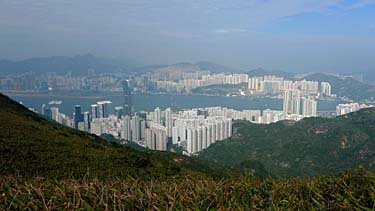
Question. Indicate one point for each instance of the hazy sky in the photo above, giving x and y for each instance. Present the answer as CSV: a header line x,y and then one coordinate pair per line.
x,y
290,35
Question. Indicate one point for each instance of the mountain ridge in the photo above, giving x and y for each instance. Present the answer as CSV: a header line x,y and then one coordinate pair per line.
x,y
78,64
263,72
307,148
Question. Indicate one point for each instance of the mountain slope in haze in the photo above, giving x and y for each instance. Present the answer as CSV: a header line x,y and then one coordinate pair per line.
x,y
79,64
186,67
33,146
218,68
262,72
307,148
347,87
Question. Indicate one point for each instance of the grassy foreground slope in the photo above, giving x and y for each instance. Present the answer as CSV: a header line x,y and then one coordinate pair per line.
x,y
350,191
33,146
310,147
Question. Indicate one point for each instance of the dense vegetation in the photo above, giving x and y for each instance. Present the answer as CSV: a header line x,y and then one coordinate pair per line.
x,y
44,166
220,89
348,87
310,147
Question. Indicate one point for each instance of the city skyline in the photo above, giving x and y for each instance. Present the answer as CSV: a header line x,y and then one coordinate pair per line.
x,y
194,129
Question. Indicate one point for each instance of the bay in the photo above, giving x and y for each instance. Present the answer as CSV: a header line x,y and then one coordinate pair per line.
x,y
148,102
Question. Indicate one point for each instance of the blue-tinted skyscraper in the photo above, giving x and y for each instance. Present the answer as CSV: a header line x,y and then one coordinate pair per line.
x,y
127,98
46,111
77,116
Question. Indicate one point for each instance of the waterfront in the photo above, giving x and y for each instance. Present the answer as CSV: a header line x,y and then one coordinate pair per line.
x,y
148,102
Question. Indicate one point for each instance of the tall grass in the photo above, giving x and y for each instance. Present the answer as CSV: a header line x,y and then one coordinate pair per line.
x,y
350,191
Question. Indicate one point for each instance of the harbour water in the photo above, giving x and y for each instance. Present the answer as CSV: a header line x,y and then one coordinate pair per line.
x,y
148,102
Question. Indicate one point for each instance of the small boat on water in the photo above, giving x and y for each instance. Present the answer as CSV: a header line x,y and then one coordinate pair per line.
x,y
55,102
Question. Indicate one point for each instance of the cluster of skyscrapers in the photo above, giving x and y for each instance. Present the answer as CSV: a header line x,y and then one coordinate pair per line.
x,y
292,104
194,129
186,84
54,114
197,129
299,97
274,85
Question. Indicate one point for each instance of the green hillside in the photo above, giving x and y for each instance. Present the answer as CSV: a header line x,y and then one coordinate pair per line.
x,y
33,146
220,89
307,148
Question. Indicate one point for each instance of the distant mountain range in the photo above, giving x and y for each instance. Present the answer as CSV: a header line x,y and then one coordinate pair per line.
x,y
79,64
187,67
204,65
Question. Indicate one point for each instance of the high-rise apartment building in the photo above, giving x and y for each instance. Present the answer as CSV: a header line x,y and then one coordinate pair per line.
x,y
156,137
94,111
309,107
325,89
135,124
127,98
126,128
77,116
119,111
292,101
87,121
168,121
103,108
157,115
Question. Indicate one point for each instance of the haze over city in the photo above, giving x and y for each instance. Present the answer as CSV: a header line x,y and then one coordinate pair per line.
x,y
298,36
187,105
